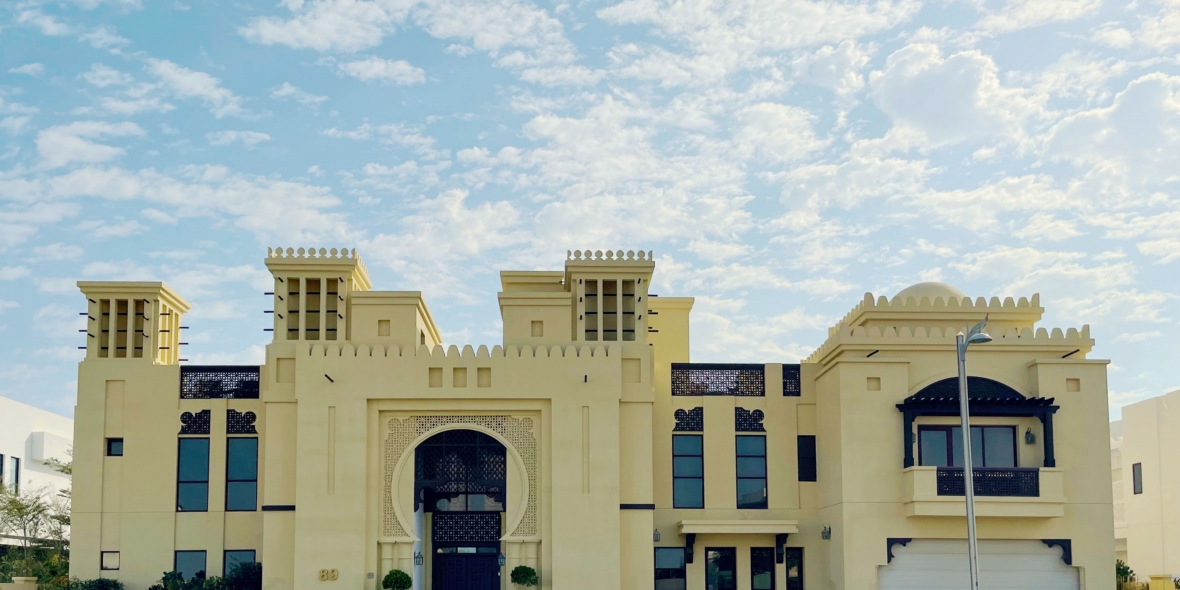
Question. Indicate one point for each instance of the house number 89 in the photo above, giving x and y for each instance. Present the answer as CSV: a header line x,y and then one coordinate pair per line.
x,y
329,575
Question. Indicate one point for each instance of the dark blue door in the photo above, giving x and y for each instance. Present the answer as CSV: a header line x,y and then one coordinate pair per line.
x,y
466,571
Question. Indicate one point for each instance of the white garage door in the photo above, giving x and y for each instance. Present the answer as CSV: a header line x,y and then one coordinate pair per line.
x,y
925,564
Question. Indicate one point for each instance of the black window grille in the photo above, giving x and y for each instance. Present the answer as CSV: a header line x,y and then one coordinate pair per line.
x,y
718,379
792,387
465,527
219,381
461,470
1017,482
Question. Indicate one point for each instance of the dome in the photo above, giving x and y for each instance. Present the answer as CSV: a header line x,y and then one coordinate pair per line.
x,y
930,291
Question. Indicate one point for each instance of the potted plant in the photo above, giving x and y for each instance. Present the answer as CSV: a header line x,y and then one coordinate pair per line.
x,y
523,575
397,580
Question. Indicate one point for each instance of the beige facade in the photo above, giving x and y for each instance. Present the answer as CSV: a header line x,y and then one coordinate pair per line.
x,y
1144,461
585,446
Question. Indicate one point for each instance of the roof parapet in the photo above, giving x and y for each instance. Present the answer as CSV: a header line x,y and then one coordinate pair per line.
x,y
875,338
609,255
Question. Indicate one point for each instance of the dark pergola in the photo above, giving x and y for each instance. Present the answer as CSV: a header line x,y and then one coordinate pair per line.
x,y
985,397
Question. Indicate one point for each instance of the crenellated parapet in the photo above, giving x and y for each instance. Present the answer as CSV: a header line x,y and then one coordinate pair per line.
x,y
874,338
467,352
609,255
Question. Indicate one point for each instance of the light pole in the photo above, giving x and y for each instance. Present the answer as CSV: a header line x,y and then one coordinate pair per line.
x,y
974,336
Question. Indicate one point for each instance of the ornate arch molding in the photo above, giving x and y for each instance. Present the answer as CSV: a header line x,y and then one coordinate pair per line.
x,y
404,435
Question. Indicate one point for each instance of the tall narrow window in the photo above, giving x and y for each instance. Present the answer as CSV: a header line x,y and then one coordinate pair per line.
x,y
762,568
751,472
2,480
807,467
721,569
192,476
189,564
1137,478
688,471
670,574
794,568
241,474
16,475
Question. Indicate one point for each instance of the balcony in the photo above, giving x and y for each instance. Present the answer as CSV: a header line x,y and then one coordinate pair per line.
x,y
999,493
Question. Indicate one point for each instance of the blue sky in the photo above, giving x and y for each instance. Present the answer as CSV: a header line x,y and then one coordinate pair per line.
x,y
781,157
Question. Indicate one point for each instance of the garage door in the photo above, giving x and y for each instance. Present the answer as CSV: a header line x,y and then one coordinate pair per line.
x,y
925,564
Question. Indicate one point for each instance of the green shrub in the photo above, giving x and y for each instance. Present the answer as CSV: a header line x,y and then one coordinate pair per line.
x,y
524,575
1123,572
397,580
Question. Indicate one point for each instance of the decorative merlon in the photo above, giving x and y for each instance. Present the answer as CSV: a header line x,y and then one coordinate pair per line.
x,y
609,255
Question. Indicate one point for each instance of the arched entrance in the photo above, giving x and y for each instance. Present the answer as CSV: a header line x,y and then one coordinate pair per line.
x,y
459,479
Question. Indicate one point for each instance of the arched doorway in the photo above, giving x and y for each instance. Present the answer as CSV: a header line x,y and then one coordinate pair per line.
x,y
459,479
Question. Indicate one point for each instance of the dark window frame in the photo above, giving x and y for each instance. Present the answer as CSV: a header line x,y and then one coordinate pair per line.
x,y
950,443
102,562
700,478
766,554
765,484
15,465
225,571
229,480
807,454
733,552
683,569
793,554
176,560
179,482
1137,478
111,442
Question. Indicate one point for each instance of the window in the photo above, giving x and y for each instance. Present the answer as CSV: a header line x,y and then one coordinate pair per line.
x,y
1,470
1137,478
807,468
688,471
794,560
721,569
192,477
190,564
991,446
15,475
762,568
670,573
110,560
751,472
241,474
235,558
114,447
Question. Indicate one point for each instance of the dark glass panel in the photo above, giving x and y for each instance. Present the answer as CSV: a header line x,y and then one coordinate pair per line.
x,y
751,446
762,568
190,563
933,448
192,497
688,467
688,493
684,444
751,493
751,467
999,447
721,569
233,559
242,459
194,459
241,495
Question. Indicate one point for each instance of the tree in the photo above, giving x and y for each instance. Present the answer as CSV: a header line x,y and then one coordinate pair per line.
x,y
397,580
1123,572
25,515
524,575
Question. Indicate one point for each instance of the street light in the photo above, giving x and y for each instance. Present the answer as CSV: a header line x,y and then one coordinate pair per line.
x,y
974,336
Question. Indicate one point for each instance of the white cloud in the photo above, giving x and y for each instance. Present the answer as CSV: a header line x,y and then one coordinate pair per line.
x,y
395,134
104,37
1044,226
139,105
47,23
32,69
1023,14
777,133
836,68
247,138
383,70
326,25
949,99
980,208
849,183
1137,336
62,144
58,251
101,76
7,305
157,216
186,83
286,90
101,229
1134,138
14,124
11,273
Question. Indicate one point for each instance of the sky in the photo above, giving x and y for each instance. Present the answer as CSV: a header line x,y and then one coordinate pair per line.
x,y
779,157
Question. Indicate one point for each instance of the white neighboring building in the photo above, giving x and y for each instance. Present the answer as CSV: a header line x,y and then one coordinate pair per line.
x,y
28,437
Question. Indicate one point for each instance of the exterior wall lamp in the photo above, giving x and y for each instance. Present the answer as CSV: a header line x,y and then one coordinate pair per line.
x,y
655,536
418,559
500,559
1029,437
826,533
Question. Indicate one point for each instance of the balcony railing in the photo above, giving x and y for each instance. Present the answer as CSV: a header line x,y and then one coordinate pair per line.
x,y
718,379
219,381
1013,482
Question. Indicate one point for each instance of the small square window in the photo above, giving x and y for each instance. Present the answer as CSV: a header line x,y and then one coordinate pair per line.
x,y
110,560
114,448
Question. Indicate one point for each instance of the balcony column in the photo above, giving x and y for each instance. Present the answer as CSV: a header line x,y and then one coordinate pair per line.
x,y
1047,428
908,437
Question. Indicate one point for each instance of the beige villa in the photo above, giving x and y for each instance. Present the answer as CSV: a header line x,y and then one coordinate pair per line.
x,y
586,445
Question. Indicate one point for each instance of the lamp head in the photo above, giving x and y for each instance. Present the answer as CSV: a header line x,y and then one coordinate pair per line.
x,y
978,338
